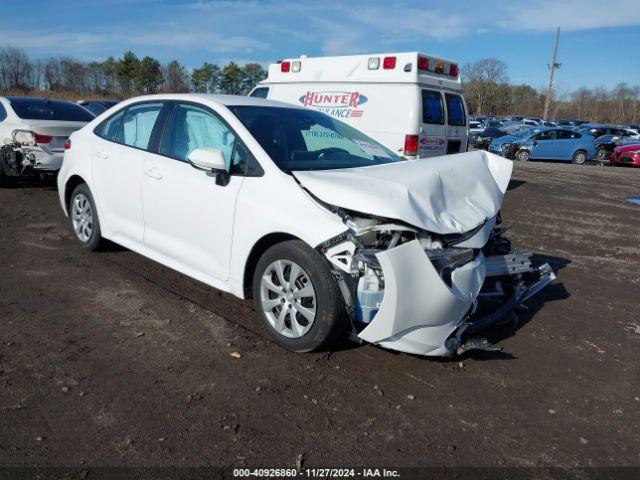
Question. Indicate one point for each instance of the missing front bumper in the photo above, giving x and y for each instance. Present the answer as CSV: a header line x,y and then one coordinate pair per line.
x,y
419,311
421,314
538,278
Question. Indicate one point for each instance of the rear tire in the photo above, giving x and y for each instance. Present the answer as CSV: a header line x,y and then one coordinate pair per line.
x,y
303,313
84,218
579,157
523,155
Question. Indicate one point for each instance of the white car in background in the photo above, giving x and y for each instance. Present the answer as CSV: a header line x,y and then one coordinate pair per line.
x,y
324,227
33,132
475,127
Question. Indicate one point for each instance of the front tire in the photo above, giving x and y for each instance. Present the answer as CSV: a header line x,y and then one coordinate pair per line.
x,y
523,155
84,218
601,155
579,158
297,297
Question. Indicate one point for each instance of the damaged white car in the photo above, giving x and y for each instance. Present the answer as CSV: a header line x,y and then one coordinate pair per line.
x,y
33,132
328,230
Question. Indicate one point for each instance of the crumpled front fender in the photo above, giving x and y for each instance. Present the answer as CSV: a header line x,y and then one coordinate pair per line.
x,y
419,311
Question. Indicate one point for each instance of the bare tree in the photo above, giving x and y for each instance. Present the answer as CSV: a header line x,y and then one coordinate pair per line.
x,y
482,80
176,77
15,69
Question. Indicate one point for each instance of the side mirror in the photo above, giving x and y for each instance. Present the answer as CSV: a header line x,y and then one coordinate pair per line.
x,y
209,159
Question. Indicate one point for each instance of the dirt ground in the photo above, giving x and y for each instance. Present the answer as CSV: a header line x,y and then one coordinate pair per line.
x,y
112,359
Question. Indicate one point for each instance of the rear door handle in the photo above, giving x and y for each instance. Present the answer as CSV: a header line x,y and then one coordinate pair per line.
x,y
153,173
101,155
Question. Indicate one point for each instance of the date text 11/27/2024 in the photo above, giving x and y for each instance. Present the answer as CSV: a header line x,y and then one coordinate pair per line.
x,y
316,473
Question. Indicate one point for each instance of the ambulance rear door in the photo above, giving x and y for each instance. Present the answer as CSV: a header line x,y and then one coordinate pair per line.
x,y
456,130
432,140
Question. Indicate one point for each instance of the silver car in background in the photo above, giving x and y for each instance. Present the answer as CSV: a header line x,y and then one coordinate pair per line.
x,y
33,132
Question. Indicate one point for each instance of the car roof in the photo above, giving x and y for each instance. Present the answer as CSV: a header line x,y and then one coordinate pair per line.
x,y
226,100
13,98
99,100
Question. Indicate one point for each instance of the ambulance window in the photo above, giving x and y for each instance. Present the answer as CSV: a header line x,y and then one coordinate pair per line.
x,y
455,110
260,92
432,108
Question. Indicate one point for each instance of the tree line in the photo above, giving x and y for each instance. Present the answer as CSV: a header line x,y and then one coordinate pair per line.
x,y
485,84
120,77
487,91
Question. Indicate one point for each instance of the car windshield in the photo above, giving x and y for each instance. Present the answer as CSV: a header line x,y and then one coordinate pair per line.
x,y
45,109
492,132
298,139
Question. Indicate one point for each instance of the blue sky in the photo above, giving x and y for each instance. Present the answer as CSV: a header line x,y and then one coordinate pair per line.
x,y
598,46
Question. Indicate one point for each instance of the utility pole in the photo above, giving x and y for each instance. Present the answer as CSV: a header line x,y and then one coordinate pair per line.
x,y
552,67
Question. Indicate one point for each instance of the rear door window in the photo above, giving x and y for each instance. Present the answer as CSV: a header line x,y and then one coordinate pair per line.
x,y
109,127
3,112
432,107
456,115
137,125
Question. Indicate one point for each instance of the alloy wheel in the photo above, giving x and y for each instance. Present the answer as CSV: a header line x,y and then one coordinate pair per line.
x,y
288,298
82,217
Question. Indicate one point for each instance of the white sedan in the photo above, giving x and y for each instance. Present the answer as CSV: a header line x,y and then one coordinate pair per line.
x,y
33,132
327,229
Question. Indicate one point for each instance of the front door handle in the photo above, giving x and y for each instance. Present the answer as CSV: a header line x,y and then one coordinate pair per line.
x,y
101,155
153,173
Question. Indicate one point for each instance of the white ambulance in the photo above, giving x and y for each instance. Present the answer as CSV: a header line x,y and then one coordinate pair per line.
x,y
410,102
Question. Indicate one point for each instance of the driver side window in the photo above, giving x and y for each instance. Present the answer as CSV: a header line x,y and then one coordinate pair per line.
x,y
191,127
546,135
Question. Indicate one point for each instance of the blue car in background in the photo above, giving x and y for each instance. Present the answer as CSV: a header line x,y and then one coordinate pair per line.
x,y
517,132
544,143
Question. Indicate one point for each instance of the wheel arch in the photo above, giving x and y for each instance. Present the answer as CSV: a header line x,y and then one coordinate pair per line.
x,y
583,150
258,249
69,187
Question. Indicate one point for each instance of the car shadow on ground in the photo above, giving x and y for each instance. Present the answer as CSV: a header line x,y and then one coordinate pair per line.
x,y
517,318
32,182
513,184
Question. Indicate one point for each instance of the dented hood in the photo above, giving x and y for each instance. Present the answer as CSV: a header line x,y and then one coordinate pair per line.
x,y
448,194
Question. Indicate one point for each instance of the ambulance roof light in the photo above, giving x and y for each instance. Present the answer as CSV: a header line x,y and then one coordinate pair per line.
x,y
389,63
